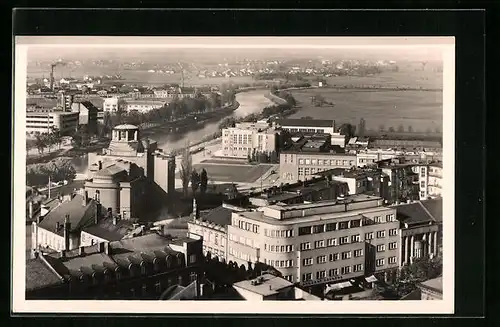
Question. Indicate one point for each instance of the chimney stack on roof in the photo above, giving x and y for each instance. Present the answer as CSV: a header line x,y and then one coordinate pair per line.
x,y
81,251
67,229
85,198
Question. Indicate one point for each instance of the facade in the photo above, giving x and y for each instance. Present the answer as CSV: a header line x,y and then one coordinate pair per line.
x,y
244,138
403,184
420,229
431,289
359,180
143,105
295,165
113,104
435,181
318,243
407,145
139,268
309,126
40,122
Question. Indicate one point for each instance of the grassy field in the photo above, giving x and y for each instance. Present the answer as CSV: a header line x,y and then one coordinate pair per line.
x,y
233,173
421,110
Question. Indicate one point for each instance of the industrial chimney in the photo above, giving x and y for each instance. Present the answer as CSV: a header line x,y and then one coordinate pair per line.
x,y
67,229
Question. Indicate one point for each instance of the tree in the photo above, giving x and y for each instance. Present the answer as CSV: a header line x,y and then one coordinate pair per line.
x,y
401,129
381,128
361,127
195,181
59,169
410,129
41,142
55,137
420,270
348,131
203,181
391,129
186,169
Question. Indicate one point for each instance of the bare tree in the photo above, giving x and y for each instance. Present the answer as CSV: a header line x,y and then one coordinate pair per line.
x,y
186,169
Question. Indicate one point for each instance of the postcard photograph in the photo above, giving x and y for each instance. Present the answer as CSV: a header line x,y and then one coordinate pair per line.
x,y
211,171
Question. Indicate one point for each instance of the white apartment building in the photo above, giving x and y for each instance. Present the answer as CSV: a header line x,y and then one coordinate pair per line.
x,y
143,105
244,138
40,122
112,104
430,180
319,243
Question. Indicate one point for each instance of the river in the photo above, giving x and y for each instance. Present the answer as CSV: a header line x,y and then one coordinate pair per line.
x,y
250,102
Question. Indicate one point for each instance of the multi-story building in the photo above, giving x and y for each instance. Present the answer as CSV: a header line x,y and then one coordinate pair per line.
x,y
301,165
140,268
407,145
39,122
245,138
435,182
113,104
308,126
403,185
143,105
87,114
318,243
359,180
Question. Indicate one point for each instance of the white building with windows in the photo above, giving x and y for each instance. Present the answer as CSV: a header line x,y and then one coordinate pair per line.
x,y
430,180
39,122
244,138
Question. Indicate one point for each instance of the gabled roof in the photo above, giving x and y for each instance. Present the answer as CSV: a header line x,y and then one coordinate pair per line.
x,y
105,229
79,214
220,216
420,212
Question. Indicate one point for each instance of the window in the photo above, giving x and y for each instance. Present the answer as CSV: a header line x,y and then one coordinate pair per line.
x,y
345,270
301,161
344,240
320,274
377,219
321,259
369,236
307,262
158,287
305,246
392,260
393,245
389,218
343,225
331,227
304,230
381,234
380,262
319,244
346,255
393,232
331,242
422,194
289,278
355,223
381,248
358,267
333,272
318,229
192,258
306,277
422,171
333,257
422,184
355,238
358,253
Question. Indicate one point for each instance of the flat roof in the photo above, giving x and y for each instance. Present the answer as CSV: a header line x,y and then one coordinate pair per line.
x,y
269,285
307,122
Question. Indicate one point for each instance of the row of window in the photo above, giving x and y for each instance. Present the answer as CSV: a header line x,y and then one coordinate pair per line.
x,y
279,263
381,262
278,233
244,240
247,226
333,272
329,227
306,130
279,248
346,240
333,257
327,162
241,255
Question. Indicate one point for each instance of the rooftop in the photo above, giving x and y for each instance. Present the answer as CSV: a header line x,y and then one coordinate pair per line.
x,y
125,127
79,214
39,275
435,284
105,229
268,285
220,216
349,173
420,211
306,122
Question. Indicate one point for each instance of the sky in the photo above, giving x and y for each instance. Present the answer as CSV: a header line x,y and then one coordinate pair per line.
x,y
194,48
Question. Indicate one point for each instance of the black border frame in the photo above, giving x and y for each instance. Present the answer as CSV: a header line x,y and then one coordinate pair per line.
x,y
468,27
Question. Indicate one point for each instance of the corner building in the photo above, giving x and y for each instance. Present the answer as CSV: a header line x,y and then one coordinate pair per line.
x,y
319,243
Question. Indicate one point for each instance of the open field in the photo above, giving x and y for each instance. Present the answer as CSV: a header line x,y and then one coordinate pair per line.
x,y
421,110
233,173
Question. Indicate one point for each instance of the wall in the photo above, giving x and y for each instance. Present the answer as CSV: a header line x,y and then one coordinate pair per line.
x,y
214,237
87,239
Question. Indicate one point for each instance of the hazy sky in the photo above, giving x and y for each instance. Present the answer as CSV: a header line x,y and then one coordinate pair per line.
x,y
74,48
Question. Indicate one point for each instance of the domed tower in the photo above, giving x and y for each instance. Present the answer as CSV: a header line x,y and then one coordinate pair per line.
x,y
125,141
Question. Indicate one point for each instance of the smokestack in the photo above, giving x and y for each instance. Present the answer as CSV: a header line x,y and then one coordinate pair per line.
x,y
85,200
82,251
100,165
196,211
30,210
58,225
67,229
115,220
100,247
107,248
